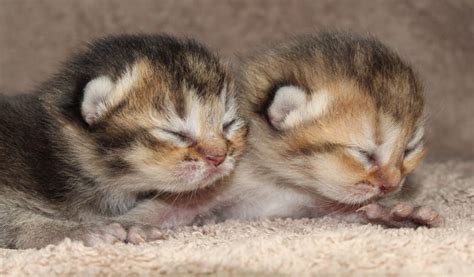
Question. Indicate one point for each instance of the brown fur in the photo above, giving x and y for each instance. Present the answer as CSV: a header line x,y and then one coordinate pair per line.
x,y
123,122
351,152
365,80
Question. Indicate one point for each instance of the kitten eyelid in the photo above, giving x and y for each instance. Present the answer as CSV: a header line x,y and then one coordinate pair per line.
x,y
180,135
416,139
412,149
369,155
226,126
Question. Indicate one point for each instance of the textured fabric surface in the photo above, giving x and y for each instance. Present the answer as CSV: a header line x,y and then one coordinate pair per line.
x,y
436,36
294,247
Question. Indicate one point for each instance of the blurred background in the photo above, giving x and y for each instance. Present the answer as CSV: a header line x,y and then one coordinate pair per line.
x,y
435,36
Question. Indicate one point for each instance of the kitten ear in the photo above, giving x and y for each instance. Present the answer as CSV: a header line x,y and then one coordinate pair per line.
x,y
287,100
97,94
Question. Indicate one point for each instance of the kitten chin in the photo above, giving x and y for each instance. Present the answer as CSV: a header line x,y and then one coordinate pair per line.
x,y
128,116
335,121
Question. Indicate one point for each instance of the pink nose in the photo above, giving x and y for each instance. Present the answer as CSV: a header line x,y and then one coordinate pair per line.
x,y
386,187
386,178
215,160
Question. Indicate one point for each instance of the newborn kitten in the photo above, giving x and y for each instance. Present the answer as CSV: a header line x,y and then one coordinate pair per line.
x,y
335,123
130,118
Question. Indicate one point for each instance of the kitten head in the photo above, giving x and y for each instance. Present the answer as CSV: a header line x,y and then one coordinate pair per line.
x,y
338,114
149,113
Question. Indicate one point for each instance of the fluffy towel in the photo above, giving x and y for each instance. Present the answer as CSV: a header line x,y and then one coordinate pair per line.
x,y
297,247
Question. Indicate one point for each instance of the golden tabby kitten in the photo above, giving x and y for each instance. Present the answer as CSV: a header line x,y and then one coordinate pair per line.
x,y
129,119
335,124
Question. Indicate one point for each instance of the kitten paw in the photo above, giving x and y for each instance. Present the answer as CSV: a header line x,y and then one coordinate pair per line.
x,y
92,235
208,219
401,215
143,233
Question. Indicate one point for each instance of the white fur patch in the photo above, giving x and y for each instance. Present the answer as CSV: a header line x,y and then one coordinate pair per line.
x,y
415,140
414,146
94,103
195,114
291,106
231,111
288,99
390,133
101,94
253,197
230,114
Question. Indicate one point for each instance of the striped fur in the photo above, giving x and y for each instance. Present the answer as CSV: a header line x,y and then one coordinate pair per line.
x,y
353,138
129,119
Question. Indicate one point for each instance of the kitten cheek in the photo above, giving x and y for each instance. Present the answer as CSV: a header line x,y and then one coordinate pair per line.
x,y
235,134
236,145
412,162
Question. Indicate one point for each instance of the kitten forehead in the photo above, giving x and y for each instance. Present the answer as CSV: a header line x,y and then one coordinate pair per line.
x,y
324,59
194,118
366,137
202,115
389,134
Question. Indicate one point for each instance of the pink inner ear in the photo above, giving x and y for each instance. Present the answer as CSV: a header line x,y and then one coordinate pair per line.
x,y
275,121
286,100
276,116
89,117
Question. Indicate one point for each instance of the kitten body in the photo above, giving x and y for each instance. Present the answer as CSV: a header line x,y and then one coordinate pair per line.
x,y
335,122
131,125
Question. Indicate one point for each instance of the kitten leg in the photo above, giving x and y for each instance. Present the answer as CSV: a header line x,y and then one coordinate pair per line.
x,y
22,228
401,215
156,214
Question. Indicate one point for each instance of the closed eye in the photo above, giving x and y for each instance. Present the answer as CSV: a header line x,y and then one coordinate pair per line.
x,y
177,135
369,155
362,154
410,150
415,142
226,126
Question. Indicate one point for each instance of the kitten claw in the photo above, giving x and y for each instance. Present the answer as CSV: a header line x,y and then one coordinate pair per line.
x,y
428,216
402,210
374,212
401,215
138,234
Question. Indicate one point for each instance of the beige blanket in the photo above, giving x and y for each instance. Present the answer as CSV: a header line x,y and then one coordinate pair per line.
x,y
322,246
